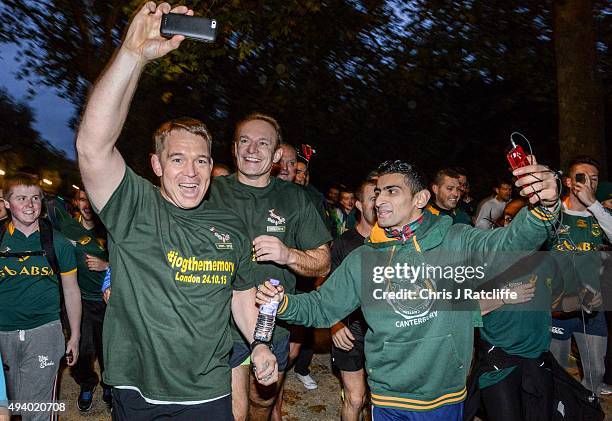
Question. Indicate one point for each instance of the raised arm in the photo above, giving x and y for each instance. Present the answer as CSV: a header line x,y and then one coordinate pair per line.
x,y
102,166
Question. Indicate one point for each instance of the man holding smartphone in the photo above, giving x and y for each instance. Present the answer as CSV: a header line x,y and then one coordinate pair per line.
x,y
585,223
418,352
178,261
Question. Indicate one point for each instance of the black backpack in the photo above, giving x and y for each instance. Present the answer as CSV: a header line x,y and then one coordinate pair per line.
x,y
571,400
47,250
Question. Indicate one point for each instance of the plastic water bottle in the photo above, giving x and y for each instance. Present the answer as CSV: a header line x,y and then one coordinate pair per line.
x,y
266,318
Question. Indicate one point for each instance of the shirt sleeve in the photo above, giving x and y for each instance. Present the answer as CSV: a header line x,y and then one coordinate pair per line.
x,y
312,232
338,297
337,253
245,275
484,216
65,253
603,216
527,232
120,211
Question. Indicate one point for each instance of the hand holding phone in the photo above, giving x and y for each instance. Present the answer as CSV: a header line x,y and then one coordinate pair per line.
x,y
196,28
517,158
143,38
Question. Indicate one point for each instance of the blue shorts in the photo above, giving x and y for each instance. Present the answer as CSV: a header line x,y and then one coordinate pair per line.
x,y
563,329
240,352
452,412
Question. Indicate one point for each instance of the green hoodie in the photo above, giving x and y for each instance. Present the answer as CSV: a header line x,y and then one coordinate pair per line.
x,y
418,352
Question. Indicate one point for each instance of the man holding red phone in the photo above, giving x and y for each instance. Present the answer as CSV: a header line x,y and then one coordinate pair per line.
x,y
417,358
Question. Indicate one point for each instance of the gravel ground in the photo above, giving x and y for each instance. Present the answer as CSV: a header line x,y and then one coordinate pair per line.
x,y
299,404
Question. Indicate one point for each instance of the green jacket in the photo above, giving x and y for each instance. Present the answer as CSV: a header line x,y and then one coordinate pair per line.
x,y
418,351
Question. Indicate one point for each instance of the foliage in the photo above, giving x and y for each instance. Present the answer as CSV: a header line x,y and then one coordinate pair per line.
x,y
438,82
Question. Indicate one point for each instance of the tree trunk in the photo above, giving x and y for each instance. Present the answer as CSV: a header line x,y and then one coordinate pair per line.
x,y
581,115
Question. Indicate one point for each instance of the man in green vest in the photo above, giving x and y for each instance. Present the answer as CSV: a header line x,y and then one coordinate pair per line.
x,y
31,339
181,265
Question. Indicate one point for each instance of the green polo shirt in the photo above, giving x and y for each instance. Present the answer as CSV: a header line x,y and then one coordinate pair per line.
x,y
524,329
281,209
29,289
166,330
92,242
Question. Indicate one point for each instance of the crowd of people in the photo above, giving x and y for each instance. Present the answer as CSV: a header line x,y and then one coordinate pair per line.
x,y
162,283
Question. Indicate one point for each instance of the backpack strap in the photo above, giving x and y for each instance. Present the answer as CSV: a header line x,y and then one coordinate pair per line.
x,y
46,241
3,229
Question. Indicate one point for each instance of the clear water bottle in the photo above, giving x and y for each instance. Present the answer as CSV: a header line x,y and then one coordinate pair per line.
x,y
266,318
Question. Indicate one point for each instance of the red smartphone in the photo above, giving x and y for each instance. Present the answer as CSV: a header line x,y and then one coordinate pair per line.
x,y
517,158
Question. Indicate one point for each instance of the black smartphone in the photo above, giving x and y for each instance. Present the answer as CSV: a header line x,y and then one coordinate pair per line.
x,y
69,357
581,178
192,27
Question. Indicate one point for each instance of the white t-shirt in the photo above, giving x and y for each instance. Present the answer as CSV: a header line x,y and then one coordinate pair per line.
x,y
490,211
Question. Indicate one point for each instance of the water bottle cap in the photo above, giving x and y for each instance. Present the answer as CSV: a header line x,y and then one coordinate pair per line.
x,y
275,282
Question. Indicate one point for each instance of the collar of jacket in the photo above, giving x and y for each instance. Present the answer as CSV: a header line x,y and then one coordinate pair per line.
x,y
429,235
436,210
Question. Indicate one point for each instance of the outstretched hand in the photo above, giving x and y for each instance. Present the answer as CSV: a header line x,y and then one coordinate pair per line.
x,y
143,37
538,183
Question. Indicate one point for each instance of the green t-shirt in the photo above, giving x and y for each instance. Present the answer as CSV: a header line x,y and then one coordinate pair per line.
x,y
280,209
577,233
577,242
524,329
166,330
29,290
92,242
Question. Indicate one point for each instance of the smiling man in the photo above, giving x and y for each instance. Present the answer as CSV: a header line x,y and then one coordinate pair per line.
x,y
180,264
289,238
446,189
417,355
31,275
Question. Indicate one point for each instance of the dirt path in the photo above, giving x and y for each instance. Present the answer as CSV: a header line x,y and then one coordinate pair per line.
x,y
299,404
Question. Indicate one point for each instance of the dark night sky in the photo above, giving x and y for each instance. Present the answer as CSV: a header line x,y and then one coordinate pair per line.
x,y
52,113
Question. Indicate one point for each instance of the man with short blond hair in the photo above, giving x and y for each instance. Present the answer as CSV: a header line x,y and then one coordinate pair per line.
x,y
181,265
288,236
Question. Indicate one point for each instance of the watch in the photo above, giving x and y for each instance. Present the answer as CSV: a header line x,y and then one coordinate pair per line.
x,y
258,342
